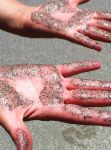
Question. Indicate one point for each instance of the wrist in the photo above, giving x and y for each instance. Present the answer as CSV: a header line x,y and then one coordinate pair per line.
x,y
11,14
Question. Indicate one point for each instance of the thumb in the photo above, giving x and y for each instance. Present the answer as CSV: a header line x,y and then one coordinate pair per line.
x,y
18,131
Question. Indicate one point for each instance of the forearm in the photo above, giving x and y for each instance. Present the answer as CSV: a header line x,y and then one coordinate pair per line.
x,y
12,14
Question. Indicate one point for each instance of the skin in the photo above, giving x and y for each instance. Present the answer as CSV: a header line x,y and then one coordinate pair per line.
x,y
57,18
22,139
47,92
42,92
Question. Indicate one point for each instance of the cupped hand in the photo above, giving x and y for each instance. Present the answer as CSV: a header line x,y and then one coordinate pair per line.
x,y
46,92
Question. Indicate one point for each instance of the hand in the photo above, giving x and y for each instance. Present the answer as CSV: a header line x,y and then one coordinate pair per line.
x,y
43,92
60,18
63,17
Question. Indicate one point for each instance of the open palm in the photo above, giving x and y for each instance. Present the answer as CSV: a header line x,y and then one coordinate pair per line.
x,y
42,92
63,17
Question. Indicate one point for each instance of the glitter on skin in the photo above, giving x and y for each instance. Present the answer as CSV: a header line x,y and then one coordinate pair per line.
x,y
19,70
22,140
98,33
52,91
89,94
85,114
79,65
86,40
79,18
104,23
65,18
54,5
50,103
103,15
10,99
90,83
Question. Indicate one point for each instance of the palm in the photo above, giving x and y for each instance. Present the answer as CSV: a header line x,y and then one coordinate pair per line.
x,y
63,17
21,80
43,92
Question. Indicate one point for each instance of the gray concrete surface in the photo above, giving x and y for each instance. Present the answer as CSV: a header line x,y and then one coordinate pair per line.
x,y
55,135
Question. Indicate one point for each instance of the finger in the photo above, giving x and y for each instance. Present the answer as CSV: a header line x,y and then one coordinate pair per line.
x,y
88,84
78,2
78,67
101,24
98,34
77,114
88,97
85,41
102,15
18,132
